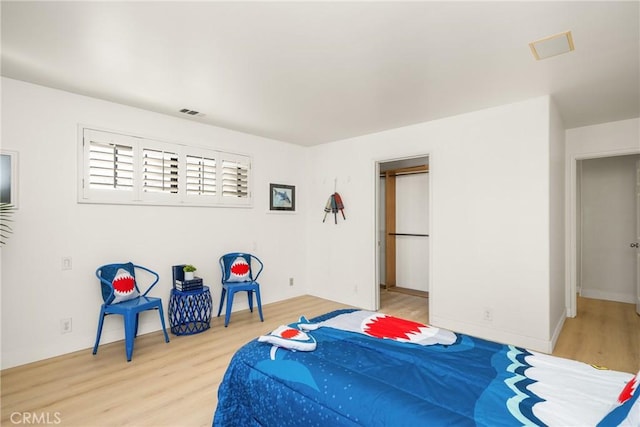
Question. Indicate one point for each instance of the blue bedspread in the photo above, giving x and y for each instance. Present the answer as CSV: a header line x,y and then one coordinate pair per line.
x,y
356,379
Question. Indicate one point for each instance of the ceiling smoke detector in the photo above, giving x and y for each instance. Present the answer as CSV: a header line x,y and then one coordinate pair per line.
x,y
556,44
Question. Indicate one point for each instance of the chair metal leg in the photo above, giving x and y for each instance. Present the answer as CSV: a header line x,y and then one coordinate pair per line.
x,y
227,315
164,329
100,322
250,298
224,291
259,304
129,333
136,326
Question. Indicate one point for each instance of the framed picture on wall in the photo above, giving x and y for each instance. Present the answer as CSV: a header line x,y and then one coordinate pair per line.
x,y
282,197
9,177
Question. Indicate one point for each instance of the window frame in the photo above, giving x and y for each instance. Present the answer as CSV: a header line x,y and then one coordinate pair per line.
x,y
137,195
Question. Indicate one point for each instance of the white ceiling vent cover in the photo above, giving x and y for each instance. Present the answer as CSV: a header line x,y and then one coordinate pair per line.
x,y
192,112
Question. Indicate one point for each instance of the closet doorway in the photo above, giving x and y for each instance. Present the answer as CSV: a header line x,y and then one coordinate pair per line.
x,y
403,226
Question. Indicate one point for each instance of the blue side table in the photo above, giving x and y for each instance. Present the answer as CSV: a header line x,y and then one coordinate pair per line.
x,y
190,311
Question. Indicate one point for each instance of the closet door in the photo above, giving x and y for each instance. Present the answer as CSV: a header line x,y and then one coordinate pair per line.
x,y
390,227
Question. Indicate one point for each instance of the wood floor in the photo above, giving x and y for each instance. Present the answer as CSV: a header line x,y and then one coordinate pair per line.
x,y
176,384
604,333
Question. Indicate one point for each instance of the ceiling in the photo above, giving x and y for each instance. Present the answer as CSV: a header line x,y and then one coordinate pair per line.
x,y
314,72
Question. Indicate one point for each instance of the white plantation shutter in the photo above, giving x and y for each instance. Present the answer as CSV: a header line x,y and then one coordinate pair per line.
x,y
110,166
201,176
159,171
235,177
118,168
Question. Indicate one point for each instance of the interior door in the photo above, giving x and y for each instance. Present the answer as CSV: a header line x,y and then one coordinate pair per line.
x,y
608,226
637,242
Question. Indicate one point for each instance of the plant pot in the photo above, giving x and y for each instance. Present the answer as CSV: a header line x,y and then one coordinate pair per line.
x,y
188,275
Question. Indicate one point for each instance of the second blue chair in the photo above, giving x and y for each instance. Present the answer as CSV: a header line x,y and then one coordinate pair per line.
x,y
237,276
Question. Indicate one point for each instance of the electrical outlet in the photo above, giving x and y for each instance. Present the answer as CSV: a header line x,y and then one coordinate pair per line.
x,y
66,263
65,326
487,314
290,281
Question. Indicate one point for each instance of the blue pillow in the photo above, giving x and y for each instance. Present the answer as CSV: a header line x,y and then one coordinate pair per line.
x,y
122,280
290,338
237,268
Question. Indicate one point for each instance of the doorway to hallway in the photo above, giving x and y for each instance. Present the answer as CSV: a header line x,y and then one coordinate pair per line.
x,y
608,224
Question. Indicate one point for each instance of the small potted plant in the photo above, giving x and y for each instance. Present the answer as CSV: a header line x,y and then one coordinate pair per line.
x,y
188,271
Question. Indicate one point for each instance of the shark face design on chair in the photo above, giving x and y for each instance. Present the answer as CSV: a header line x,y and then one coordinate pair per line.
x,y
239,270
124,286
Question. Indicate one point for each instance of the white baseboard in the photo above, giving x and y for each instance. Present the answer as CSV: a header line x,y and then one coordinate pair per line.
x,y
558,329
609,296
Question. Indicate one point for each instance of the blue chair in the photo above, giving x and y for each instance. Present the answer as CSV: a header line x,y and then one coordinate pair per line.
x,y
237,276
122,296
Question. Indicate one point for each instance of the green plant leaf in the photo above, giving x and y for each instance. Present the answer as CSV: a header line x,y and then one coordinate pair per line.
x,y
6,211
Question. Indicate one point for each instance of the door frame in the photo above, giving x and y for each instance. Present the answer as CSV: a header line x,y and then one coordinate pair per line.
x,y
376,222
571,261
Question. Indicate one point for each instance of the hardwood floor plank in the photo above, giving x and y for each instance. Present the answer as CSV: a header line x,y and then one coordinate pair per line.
x,y
176,384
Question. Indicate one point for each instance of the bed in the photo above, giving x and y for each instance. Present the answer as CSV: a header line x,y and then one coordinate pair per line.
x,y
355,367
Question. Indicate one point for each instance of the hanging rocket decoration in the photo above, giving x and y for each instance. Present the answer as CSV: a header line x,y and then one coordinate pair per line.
x,y
334,204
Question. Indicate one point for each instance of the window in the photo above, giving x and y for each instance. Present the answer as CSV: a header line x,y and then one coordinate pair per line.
x,y
119,168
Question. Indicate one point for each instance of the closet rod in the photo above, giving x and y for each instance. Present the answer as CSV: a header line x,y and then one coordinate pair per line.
x,y
408,234
383,175
406,171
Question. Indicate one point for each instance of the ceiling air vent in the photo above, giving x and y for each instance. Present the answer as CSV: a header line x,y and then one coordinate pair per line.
x,y
191,112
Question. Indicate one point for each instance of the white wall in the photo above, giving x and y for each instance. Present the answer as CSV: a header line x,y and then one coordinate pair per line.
x,y
557,273
602,140
605,139
489,225
41,124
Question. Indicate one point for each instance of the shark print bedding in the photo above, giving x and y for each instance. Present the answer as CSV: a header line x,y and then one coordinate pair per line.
x,y
361,368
